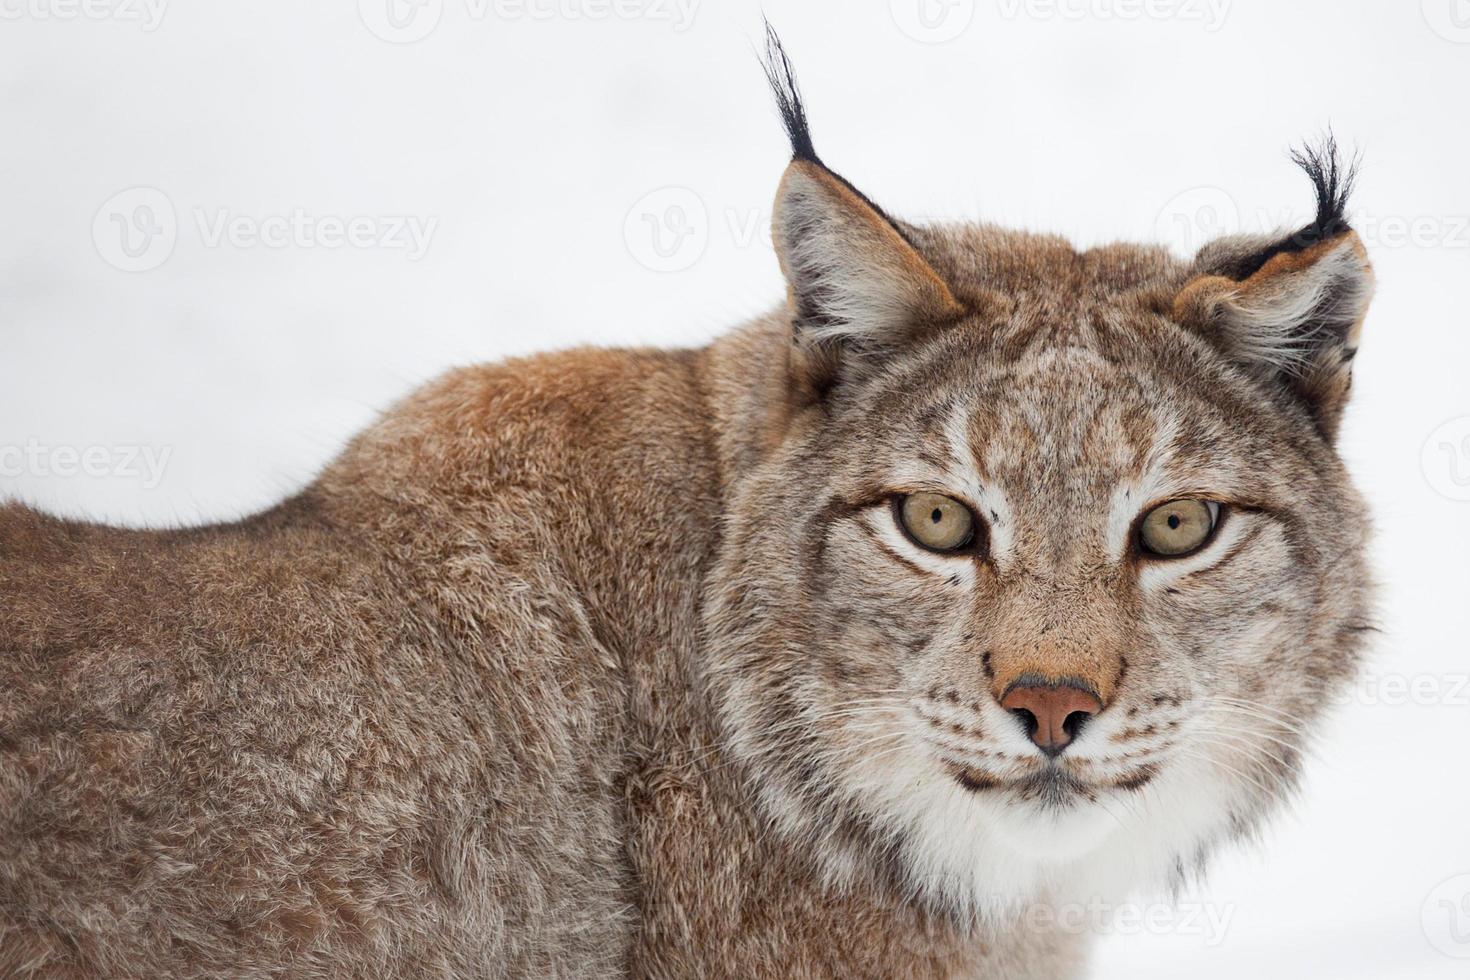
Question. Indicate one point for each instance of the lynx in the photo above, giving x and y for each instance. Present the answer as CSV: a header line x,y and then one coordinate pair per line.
x,y
983,576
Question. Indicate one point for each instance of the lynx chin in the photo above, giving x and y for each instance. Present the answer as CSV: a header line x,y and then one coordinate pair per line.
x,y
981,575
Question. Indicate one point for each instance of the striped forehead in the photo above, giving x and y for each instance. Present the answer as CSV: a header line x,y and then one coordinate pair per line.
x,y
1068,432
1064,417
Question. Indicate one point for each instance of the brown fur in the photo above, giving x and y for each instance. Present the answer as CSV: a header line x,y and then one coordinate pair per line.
x,y
554,671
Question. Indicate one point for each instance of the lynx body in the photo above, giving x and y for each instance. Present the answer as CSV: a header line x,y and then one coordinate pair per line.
x,y
650,663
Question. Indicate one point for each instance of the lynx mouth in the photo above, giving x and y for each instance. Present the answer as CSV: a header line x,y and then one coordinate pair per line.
x,y
1050,785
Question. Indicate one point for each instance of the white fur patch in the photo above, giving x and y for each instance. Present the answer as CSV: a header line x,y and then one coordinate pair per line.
x,y
1272,323
986,854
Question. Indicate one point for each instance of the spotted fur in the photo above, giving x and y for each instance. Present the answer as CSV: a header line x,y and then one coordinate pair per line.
x,y
616,663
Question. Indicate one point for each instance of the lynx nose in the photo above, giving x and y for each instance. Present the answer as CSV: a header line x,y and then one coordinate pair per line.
x,y
1053,712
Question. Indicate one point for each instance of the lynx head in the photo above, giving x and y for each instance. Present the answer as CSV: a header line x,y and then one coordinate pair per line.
x,y
1051,565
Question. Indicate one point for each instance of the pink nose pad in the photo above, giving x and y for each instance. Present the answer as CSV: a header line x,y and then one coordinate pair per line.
x,y
1053,713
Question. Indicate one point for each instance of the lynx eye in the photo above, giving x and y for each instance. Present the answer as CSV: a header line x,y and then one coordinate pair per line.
x,y
1178,527
936,522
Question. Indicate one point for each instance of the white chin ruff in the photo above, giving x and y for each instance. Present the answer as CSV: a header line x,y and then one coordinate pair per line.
x,y
988,855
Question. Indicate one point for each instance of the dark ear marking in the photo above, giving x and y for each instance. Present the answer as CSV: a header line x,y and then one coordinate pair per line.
x,y
1332,184
858,287
1290,308
788,97
782,78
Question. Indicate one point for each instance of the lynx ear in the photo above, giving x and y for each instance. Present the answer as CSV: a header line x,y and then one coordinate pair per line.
x,y
1290,309
856,284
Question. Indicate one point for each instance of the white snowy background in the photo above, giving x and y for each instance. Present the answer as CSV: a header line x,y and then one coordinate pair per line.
x,y
231,233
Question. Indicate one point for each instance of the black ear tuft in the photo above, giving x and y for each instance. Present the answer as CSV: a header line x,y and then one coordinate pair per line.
x,y
1290,308
788,97
1333,182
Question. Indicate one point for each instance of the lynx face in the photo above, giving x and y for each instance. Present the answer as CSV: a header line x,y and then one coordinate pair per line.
x,y
1053,565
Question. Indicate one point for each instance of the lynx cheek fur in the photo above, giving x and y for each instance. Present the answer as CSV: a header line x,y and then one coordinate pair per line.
x,y
984,576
